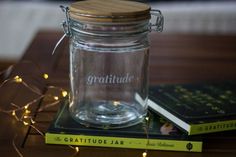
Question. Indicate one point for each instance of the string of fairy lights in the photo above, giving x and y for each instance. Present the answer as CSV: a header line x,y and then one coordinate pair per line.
x,y
22,114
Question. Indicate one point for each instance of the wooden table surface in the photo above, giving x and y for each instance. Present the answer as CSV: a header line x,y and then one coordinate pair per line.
x,y
173,59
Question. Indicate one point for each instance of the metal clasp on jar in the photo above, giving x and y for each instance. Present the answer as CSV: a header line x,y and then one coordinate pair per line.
x,y
159,21
65,24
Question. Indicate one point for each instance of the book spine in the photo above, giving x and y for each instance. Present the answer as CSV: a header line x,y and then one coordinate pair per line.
x,y
212,127
121,142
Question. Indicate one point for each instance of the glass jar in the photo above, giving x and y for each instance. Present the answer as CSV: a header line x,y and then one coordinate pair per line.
x,y
109,52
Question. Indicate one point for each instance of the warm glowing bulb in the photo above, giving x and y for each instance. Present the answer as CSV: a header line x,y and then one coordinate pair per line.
x,y
26,117
27,111
77,149
25,123
26,107
64,93
56,98
18,79
144,154
147,118
13,113
32,121
45,76
115,103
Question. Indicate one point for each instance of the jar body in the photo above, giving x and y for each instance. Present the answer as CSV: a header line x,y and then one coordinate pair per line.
x,y
108,74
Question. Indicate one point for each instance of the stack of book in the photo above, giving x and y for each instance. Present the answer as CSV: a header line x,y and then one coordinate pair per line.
x,y
179,116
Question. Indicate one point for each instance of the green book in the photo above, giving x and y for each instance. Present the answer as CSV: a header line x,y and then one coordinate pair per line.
x,y
196,108
154,134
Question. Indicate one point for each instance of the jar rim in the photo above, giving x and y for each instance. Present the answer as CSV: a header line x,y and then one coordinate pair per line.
x,y
111,29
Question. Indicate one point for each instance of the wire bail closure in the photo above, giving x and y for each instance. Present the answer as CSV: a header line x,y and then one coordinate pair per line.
x,y
156,26
66,27
159,22
65,24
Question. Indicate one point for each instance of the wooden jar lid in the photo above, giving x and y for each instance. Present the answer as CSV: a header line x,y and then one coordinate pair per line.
x,y
109,11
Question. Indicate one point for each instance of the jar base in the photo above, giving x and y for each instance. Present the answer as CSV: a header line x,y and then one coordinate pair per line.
x,y
108,114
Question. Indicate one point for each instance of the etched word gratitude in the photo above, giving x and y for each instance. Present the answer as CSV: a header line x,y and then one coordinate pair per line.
x,y
109,79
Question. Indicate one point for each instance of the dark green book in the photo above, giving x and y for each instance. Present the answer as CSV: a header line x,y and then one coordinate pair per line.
x,y
154,133
196,108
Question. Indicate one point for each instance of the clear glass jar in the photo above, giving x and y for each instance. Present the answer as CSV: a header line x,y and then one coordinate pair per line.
x,y
108,69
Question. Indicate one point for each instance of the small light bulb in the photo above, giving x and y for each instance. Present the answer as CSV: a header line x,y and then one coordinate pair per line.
x,y
26,107
147,118
56,98
18,79
13,113
27,111
64,93
32,121
45,76
116,103
25,123
144,154
77,149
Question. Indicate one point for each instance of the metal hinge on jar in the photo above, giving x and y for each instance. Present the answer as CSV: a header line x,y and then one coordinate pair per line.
x,y
159,21
65,24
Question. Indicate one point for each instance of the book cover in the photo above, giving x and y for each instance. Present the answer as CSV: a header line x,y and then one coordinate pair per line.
x,y
196,108
155,134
